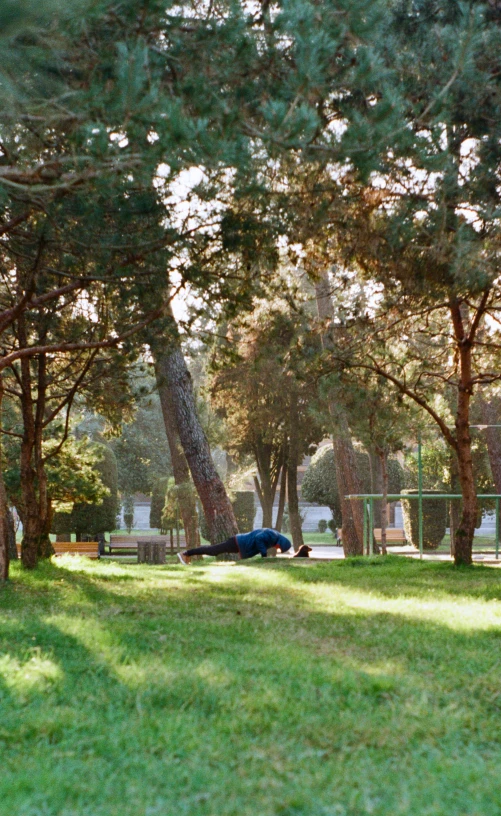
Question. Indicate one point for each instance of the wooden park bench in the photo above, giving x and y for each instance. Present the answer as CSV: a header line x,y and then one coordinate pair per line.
x,y
87,548
393,534
129,544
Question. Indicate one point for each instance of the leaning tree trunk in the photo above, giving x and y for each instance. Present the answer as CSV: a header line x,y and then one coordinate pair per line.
x,y
281,498
347,476
264,494
180,468
174,374
292,466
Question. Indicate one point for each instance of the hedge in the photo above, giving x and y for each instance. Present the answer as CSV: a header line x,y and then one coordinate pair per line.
x,y
434,520
320,484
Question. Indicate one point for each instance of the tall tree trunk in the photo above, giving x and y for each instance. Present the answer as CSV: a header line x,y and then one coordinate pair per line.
x,y
347,476
264,494
351,509
186,495
292,466
268,460
466,530
281,498
174,375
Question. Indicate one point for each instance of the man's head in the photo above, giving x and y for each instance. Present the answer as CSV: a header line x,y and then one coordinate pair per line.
x,y
303,552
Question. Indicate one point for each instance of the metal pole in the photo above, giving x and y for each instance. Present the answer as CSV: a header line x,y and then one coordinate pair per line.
x,y
420,497
371,527
497,528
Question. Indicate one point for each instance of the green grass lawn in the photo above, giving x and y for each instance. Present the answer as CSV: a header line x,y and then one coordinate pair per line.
x,y
259,689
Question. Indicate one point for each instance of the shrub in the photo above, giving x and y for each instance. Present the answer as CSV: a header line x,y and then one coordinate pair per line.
x,y
320,483
158,501
244,509
88,519
434,520
322,526
129,513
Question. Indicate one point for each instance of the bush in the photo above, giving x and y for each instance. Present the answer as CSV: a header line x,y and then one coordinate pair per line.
x,y
129,513
244,509
322,526
158,501
93,519
434,520
320,483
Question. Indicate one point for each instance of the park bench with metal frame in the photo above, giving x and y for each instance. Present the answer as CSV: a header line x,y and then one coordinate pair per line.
x,y
87,548
129,543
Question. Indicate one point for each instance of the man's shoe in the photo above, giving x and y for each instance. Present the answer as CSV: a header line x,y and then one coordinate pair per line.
x,y
185,559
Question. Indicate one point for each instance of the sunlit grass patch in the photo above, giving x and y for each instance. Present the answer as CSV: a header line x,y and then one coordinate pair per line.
x,y
268,688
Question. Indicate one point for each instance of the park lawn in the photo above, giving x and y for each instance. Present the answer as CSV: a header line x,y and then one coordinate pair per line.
x,y
264,688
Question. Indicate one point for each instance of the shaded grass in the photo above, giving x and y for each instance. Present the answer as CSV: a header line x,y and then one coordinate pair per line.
x,y
365,686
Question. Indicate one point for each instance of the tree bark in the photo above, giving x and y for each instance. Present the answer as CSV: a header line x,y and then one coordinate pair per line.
x,y
35,506
347,476
174,375
292,466
466,529
180,468
351,510
268,458
281,498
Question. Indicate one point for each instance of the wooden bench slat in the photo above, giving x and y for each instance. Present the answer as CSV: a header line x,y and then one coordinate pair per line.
x,y
392,534
87,548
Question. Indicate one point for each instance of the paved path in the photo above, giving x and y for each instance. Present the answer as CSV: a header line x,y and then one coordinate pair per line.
x,y
336,553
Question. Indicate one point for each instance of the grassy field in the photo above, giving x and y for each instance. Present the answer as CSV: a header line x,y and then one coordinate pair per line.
x,y
271,689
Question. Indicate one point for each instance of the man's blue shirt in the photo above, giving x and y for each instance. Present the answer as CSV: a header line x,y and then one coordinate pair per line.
x,y
258,542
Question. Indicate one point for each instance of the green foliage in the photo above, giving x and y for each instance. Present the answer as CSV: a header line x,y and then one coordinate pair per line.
x,y
157,501
434,520
244,509
128,507
322,525
142,450
170,512
91,519
320,484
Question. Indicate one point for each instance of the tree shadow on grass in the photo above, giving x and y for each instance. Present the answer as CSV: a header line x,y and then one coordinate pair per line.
x,y
394,576
246,616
